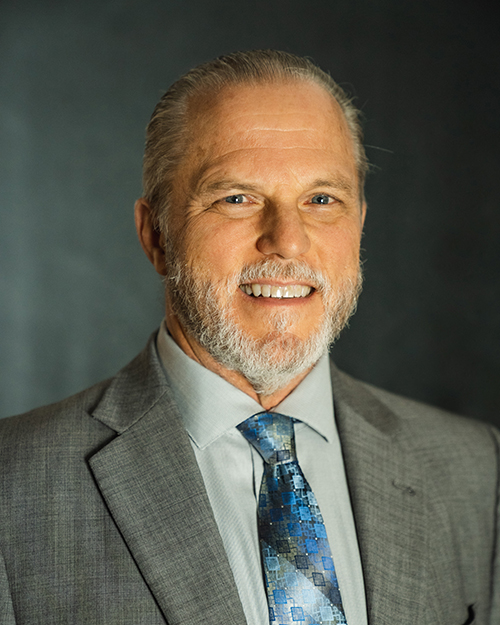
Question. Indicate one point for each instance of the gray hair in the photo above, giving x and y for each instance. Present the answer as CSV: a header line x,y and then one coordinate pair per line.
x,y
166,131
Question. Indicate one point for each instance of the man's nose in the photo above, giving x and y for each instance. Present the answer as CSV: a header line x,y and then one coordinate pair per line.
x,y
283,232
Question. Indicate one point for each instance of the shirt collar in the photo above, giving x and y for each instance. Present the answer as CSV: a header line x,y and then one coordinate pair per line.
x,y
210,406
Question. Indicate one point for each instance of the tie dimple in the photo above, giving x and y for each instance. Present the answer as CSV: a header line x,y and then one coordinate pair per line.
x,y
300,577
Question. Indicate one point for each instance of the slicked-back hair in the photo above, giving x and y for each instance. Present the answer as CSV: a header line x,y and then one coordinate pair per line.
x,y
167,129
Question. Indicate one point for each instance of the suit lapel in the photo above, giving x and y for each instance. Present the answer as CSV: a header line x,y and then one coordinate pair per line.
x,y
387,496
151,483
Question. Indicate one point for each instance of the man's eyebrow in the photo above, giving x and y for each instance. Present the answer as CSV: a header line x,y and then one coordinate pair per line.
x,y
225,185
335,183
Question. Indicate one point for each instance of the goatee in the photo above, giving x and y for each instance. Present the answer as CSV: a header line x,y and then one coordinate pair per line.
x,y
270,363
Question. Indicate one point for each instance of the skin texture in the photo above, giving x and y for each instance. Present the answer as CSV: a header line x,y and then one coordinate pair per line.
x,y
268,172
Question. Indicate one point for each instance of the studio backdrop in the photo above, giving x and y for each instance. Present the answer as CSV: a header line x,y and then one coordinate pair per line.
x,y
78,83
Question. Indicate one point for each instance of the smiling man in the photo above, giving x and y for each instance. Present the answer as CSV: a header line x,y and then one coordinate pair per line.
x,y
266,216
231,473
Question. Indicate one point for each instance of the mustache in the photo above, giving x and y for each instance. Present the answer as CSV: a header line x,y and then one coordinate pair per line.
x,y
299,271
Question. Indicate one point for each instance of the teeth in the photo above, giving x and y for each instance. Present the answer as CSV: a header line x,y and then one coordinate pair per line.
x,y
278,292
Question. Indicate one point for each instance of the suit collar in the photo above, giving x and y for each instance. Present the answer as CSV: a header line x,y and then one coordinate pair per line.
x,y
133,391
357,397
151,483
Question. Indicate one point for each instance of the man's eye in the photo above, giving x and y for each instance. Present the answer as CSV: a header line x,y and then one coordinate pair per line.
x,y
321,198
235,199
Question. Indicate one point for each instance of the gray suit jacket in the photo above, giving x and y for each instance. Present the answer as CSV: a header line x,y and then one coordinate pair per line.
x,y
104,518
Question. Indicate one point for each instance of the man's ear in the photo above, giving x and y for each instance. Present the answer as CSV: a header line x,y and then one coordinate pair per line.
x,y
152,241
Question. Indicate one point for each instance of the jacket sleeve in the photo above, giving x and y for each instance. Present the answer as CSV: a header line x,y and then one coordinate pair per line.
x,y
6,608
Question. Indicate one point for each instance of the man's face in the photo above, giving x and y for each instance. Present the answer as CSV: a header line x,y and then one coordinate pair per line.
x,y
268,181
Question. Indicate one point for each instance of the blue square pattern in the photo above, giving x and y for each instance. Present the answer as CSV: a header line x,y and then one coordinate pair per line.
x,y
271,615
298,614
279,596
291,579
294,529
305,514
311,545
283,546
282,455
318,579
307,530
272,563
265,419
328,563
326,613
307,595
302,562
312,498
266,550
288,498
298,482
276,514
320,530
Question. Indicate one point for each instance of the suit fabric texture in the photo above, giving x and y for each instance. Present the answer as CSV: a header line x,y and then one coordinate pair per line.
x,y
104,517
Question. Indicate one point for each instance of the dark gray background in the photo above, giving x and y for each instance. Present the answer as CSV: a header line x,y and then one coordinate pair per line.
x,y
78,83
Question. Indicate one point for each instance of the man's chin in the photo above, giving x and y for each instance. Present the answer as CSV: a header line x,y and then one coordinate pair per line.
x,y
274,361
279,346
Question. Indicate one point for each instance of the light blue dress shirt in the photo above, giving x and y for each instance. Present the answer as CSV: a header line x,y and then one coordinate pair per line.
x,y
211,408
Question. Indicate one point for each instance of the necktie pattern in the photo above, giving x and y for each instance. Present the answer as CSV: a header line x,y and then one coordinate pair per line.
x,y
300,577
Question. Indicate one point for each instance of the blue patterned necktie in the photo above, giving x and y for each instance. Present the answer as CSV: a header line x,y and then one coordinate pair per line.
x,y
300,577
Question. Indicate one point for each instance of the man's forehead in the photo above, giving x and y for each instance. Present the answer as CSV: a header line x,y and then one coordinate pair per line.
x,y
278,115
273,105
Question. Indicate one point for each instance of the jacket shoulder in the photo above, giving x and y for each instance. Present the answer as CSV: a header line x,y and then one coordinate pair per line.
x,y
71,407
54,432
82,423
419,423
70,413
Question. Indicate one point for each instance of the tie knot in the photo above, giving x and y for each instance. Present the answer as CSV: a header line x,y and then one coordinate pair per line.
x,y
272,436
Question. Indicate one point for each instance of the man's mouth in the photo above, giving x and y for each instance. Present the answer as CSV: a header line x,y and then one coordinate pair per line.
x,y
278,292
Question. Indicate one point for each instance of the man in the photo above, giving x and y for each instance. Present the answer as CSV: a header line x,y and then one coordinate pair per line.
x,y
158,496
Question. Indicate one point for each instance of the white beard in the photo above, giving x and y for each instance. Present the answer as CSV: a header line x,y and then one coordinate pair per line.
x,y
272,362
